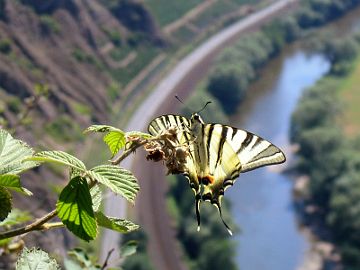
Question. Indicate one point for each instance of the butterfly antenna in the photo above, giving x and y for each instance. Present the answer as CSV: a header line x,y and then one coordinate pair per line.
x,y
177,97
207,103
221,216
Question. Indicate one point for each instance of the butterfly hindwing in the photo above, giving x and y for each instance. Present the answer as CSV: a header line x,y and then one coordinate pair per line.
x,y
253,151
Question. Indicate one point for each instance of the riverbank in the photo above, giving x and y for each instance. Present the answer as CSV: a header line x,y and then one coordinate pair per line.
x,y
329,200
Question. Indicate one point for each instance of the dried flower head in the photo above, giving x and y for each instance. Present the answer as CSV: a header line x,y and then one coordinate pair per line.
x,y
167,148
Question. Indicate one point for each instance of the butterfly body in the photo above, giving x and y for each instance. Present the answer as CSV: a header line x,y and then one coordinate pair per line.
x,y
217,155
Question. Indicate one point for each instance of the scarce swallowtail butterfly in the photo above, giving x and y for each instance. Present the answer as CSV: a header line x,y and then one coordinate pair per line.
x,y
217,154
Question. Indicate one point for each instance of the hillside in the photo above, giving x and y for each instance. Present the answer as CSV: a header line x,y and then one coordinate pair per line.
x,y
89,55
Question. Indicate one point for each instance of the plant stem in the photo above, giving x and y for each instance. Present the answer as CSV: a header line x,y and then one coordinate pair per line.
x,y
127,152
38,225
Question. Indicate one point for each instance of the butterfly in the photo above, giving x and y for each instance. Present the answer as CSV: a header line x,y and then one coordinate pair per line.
x,y
217,154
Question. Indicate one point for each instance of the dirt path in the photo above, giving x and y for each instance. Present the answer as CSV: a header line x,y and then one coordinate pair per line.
x,y
151,207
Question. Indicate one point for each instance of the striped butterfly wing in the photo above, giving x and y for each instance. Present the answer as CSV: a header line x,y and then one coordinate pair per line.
x,y
252,150
221,168
164,122
231,151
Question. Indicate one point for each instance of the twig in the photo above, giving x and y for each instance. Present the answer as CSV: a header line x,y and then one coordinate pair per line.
x,y
38,225
127,152
107,259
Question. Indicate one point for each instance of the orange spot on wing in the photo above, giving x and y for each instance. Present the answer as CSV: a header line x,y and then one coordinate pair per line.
x,y
209,179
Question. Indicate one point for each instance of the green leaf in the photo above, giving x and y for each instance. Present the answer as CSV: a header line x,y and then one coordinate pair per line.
x,y
115,224
80,260
16,216
138,134
75,209
59,157
96,197
36,259
12,181
115,140
101,128
5,203
119,180
129,248
13,153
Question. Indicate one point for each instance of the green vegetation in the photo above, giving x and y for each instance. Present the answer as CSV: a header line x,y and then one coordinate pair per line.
x,y
87,58
49,24
212,14
319,12
350,99
168,11
5,46
64,129
328,157
79,202
141,261
2,9
239,65
144,57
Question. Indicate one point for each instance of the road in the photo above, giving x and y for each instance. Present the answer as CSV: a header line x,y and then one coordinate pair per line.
x,y
151,207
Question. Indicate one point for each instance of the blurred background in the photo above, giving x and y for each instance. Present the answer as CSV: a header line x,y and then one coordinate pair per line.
x,y
287,70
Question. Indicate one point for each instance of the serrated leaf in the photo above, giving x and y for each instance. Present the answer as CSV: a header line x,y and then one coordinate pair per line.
x,y
115,141
12,181
59,157
16,216
96,197
101,128
36,259
13,153
5,203
115,224
75,209
128,249
138,134
119,180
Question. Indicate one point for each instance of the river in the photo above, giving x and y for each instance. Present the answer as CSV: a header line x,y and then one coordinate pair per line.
x,y
262,202
262,199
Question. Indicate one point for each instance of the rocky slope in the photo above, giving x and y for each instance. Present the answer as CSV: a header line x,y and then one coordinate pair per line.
x,y
62,43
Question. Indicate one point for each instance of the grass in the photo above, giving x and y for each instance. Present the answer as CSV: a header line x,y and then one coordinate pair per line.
x,y
120,53
144,57
168,11
184,34
213,14
350,98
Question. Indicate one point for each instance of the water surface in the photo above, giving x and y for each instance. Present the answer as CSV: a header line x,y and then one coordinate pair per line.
x,y
262,199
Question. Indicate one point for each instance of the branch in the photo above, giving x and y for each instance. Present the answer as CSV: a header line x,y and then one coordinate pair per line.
x,y
127,152
107,259
38,225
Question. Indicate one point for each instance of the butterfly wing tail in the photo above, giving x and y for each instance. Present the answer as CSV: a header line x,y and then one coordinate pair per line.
x,y
218,206
197,209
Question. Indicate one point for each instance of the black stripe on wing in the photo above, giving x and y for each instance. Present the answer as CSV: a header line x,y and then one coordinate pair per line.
x,y
164,122
253,151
